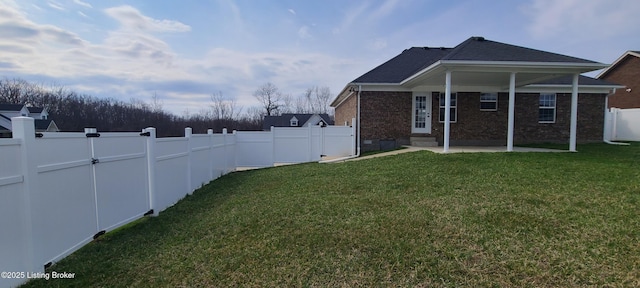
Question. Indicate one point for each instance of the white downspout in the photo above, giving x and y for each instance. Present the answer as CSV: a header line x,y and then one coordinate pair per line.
x,y
606,110
357,134
358,123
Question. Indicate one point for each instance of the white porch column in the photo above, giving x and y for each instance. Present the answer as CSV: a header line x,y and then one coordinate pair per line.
x,y
574,114
512,109
447,110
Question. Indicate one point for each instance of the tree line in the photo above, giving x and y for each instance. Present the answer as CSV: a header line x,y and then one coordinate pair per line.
x,y
73,111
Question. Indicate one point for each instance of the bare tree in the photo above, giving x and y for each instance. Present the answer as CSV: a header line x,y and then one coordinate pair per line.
x,y
156,103
270,98
288,104
224,108
318,99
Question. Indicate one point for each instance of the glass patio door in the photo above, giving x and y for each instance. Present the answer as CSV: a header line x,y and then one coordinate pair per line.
x,y
421,116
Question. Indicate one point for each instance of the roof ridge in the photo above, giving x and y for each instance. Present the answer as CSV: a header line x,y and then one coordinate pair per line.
x,y
459,46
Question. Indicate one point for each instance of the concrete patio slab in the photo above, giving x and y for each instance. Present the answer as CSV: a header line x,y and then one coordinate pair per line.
x,y
458,149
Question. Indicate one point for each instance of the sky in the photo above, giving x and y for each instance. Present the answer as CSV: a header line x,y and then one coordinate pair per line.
x,y
184,51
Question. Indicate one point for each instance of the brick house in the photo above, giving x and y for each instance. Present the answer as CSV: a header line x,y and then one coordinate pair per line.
x,y
499,94
626,71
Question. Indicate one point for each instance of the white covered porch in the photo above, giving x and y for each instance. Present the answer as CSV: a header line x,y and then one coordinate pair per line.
x,y
501,76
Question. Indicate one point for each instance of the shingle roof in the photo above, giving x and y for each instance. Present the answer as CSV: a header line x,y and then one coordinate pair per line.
x,y
35,109
42,124
480,49
11,107
404,65
414,59
284,120
582,80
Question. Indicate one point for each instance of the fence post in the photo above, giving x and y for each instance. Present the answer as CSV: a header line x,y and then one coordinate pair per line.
x,y
187,134
211,158
614,125
23,128
226,153
310,135
273,146
151,170
353,136
235,151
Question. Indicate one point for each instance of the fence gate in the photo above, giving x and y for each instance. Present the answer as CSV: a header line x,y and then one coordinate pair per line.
x,y
119,167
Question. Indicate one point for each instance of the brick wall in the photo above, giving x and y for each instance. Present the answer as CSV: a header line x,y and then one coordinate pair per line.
x,y
346,111
627,72
386,119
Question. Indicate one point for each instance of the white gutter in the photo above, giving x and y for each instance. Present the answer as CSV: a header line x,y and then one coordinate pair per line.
x,y
357,135
606,110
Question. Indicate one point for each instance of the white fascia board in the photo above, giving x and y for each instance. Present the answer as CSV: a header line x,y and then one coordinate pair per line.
x,y
337,101
617,61
506,66
599,89
421,72
384,87
521,64
458,88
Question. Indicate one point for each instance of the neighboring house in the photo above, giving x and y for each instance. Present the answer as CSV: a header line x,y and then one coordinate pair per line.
x,y
498,94
625,71
296,120
42,123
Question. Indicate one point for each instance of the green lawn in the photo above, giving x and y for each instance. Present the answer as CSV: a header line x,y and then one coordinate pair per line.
x,y
415,219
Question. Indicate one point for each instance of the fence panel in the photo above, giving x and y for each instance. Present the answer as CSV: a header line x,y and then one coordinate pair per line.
x,y
120,178
13,239
624,124
218,156
172,179
254,149
316,143
70,187
291,145
64,207
338,141
201,160
231,151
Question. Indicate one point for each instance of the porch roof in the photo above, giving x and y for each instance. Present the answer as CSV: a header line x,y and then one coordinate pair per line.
x,y
477,64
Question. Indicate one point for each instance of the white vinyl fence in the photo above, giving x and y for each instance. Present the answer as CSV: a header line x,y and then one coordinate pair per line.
x,y
622,124
59,191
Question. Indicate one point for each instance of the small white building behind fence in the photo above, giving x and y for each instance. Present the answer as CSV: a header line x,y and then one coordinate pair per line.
x,y
59,191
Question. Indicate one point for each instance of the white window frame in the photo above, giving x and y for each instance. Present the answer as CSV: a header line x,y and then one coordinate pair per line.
x,y
493,101
454,107
551,106
293,122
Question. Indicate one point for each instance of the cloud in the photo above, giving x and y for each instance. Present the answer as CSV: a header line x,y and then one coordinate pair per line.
x,y
292,11
580,18
82,14
384,10
13,31
304,33
131,19
351,16
81,3
132,62
378,44
55,5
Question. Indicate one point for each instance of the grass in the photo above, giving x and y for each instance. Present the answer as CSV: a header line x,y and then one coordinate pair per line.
x,y
374,152
414,219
